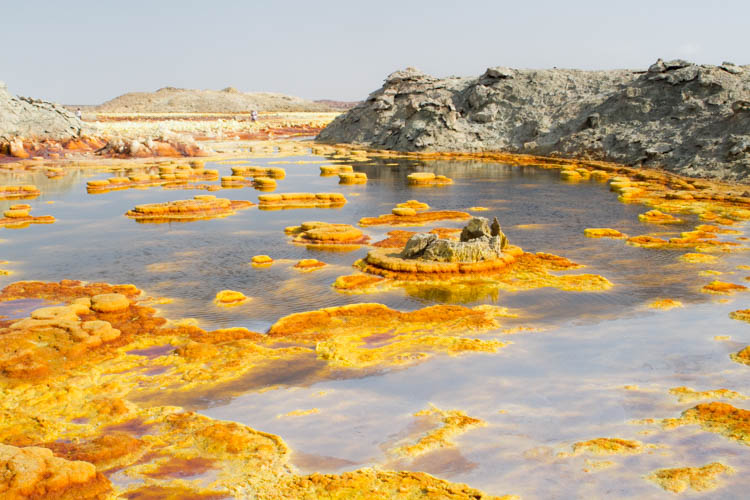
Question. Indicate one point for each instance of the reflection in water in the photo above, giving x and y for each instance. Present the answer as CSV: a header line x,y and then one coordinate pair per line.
x,y
537,396
448,463
135,427
301,370
467,292
308,462
153,352
183,468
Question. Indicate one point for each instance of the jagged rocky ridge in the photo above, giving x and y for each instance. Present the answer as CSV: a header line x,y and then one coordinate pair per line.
x,y
35,118
687,118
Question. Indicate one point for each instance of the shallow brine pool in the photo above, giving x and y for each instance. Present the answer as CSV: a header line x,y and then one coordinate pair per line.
x,y
578,365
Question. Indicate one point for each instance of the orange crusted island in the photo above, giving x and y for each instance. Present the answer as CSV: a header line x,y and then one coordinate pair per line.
x,y
428,179
407,216
326,235
352,178
168,176
309,265
200,207
476,263
301,200
17,216
26,192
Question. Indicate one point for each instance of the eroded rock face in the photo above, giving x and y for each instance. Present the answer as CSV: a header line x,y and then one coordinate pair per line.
x,y
33,118
476,228
479,242
688,118
417,245
476,250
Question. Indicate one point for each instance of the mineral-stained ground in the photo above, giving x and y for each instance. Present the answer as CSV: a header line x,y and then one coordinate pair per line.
x,y
69,371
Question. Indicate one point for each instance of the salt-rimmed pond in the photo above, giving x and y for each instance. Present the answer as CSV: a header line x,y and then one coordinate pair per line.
x,y
561,383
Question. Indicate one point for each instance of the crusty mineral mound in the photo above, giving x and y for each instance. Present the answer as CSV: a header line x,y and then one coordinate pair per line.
x,y
300,200
679,479
688,118
326,235
200,207
370,483
34,472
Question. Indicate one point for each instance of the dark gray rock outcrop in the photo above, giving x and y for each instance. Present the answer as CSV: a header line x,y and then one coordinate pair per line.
x,y
417,244
686,118
477,244
476,228
35,119
476,250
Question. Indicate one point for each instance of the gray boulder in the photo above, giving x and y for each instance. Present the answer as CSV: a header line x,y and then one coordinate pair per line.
x,y
479,242
476,228
417,244
495,228
476,250
499,72
496,231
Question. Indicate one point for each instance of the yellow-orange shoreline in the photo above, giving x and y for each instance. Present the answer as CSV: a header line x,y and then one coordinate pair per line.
x,y
521,159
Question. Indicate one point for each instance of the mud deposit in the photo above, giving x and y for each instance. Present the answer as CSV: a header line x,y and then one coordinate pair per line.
x,y
253,349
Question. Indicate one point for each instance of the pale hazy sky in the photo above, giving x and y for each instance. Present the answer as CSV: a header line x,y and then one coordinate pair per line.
x,y
86,52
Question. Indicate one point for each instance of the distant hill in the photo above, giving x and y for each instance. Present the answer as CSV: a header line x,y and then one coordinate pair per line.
x,y
228,100
338,105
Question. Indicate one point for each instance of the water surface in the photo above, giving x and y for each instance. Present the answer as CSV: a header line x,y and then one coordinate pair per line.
x,y
547,390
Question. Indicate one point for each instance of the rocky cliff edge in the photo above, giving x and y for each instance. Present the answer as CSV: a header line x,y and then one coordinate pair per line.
x,y
35,119
686,118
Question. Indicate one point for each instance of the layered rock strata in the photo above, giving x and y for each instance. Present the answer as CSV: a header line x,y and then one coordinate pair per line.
x,y
687,118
